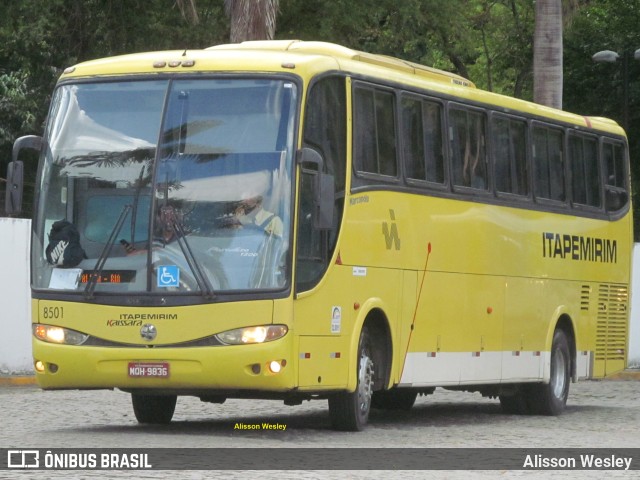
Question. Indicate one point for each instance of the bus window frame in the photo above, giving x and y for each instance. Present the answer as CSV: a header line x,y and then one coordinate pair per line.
x,y
363,181
543,201
488,191
513,198
577,206
445,186
626,188
364,178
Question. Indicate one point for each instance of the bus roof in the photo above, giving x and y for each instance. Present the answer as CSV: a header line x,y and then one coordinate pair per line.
x,y
310,58
343,53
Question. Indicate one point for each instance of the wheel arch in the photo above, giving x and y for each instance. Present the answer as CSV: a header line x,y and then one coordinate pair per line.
x,y
566,324
376,320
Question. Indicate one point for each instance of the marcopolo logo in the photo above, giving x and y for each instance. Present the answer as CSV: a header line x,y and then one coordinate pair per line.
x,y
148,332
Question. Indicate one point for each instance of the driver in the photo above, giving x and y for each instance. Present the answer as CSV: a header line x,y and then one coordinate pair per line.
x,y
250,212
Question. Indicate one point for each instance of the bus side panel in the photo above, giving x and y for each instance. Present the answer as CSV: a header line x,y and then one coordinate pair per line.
x,y
458,332
404,324
328,321
323,362
525,330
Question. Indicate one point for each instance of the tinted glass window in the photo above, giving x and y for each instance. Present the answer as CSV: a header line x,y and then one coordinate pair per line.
x,y
375,131
510,155
325,131
467,136
585,175
422,140
548,163
616,194
614,165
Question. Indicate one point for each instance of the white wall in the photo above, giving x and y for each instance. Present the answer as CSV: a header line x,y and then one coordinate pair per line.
x,y
15,305
634,329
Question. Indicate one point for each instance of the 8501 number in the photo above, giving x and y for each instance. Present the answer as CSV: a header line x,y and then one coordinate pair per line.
x,y
52,313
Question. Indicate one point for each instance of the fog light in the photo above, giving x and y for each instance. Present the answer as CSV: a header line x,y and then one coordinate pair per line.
x,y
275,366
53,368
39,366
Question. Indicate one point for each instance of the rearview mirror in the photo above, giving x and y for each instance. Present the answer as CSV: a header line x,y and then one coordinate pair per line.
x,y
15,182
323,188
32,142
15,173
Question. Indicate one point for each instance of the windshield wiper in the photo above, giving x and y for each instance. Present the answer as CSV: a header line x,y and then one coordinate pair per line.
x,y
134,212
106,251
201,278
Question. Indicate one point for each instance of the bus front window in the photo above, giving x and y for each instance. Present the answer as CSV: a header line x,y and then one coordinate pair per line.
x,y
179,186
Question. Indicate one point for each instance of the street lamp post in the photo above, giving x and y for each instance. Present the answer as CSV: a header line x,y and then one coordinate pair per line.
x,y
609,56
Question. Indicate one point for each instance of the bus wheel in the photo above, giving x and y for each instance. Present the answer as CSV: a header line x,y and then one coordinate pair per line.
x,y
394,399
350,411
551,398
154,409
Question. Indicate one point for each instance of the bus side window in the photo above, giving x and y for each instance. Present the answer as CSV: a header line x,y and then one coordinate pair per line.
x,y
510,155
413,148
585,175
548,163
422,140
468,157
375,131
615,176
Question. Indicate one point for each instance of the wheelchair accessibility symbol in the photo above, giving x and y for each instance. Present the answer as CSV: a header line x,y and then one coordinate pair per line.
x,y
168,276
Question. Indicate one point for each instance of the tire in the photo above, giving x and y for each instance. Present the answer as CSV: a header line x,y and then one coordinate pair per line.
x,y
153,409
551,398
394,399
349,411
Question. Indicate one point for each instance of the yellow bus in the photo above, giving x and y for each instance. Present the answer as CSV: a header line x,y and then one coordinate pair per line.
x,y
297,220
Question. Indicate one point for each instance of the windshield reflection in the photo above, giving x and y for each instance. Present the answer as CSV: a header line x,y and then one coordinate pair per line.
x,y
207,211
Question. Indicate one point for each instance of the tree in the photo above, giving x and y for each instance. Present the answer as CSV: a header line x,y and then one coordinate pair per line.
x,y
597,88
504,29
547,53
252,19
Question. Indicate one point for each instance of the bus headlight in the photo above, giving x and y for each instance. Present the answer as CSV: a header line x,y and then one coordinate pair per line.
x,y
52,334
247,335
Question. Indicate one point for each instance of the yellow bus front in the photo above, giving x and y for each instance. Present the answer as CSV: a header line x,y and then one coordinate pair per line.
x,y
163,236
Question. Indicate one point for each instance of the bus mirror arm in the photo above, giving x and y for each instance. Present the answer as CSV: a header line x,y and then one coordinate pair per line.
x,y
324,187
32,142
15,173
309,158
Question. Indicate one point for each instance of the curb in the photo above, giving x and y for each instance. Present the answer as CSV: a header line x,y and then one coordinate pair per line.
x,y
16,381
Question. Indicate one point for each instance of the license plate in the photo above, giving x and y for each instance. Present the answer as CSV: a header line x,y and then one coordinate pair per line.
x,y
147,369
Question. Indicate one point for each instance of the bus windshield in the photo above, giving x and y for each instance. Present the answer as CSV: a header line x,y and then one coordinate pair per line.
x,y
167,186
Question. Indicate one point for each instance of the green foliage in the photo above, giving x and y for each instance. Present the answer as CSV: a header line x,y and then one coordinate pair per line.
x,y
597,88
16,105
486,41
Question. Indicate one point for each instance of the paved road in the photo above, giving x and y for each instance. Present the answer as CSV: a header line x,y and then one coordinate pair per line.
x,y
599,414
